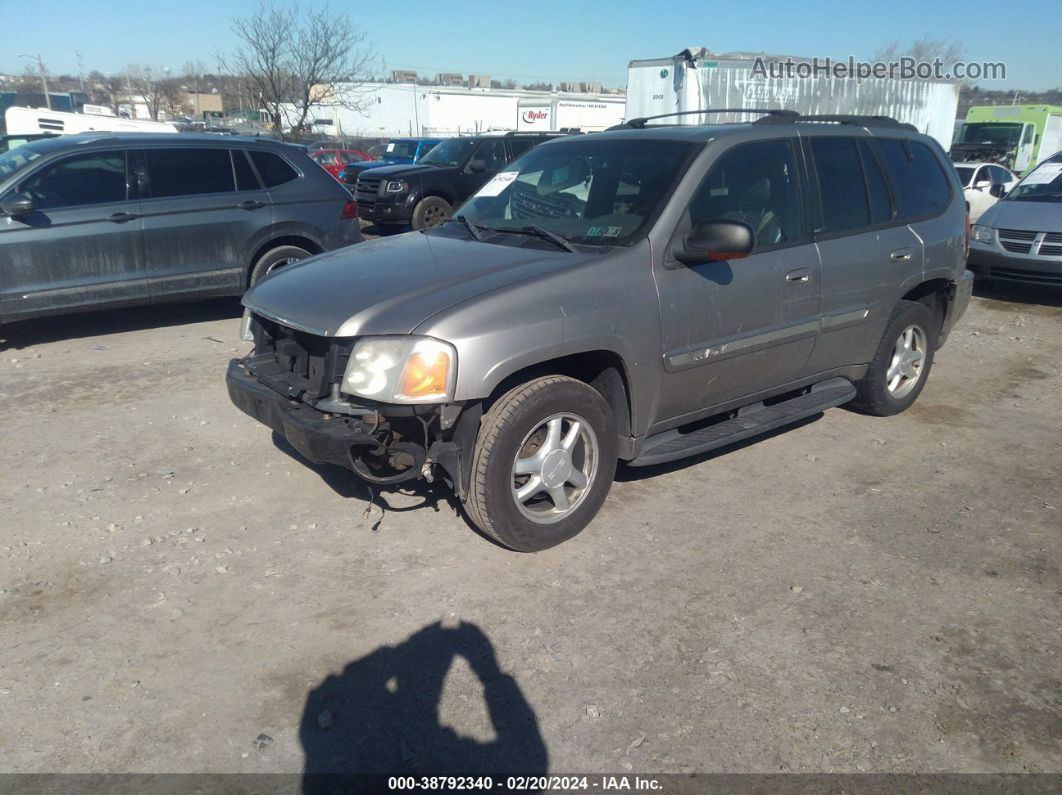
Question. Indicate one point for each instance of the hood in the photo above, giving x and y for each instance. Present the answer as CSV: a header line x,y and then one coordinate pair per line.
x,y
392,285
1031,216
408,171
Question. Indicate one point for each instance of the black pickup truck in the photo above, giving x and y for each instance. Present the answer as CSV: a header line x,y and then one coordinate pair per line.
x,y
425,193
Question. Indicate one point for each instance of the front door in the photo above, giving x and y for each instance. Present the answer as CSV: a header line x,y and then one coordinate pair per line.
x,y
737,327
491,153
81,246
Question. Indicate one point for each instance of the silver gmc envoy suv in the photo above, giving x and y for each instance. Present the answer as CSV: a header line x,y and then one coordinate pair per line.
x,y
647,293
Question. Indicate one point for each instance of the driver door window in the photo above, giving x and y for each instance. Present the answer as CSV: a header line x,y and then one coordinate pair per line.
x,y
755,184
493,154
79,181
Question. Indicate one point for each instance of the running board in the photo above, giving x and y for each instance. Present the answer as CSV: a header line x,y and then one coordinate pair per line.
x,y
749,421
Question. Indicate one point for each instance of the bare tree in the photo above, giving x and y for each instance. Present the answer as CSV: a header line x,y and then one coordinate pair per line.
x,y
149,84
292,59
926,49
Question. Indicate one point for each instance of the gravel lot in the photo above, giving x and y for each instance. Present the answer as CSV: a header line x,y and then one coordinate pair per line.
x,y
180,592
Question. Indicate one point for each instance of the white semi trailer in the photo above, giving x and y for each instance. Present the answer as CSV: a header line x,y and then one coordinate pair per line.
x,y
695,79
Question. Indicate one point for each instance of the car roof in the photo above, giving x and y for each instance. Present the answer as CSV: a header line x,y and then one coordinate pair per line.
x,y
101,139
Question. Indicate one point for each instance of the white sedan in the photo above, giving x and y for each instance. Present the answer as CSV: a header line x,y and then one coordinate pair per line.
x,y
984,184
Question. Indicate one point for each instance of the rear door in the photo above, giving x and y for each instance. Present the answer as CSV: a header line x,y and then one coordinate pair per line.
x,y
734,328
81,246
202,208
868,252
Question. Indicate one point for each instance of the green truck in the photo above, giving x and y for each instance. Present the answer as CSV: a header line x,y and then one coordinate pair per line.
x,y
1015,136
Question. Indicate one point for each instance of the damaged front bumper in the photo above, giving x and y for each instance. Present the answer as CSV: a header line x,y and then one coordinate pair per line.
x,y
366,443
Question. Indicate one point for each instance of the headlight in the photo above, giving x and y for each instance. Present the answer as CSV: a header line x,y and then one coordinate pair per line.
x,y
984,234
245,327
401,370
396,186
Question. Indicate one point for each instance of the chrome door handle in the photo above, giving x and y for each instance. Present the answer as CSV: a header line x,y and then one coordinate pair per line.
x,y
801,276
250,204
121,218
901,255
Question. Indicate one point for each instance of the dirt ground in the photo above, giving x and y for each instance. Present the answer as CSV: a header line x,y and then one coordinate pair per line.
x,y
180,592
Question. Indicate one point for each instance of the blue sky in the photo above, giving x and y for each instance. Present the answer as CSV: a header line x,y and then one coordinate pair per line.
x,y
549,40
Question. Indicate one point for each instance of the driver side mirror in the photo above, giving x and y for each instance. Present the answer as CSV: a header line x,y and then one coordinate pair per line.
x,y
477,166
981,184
16,204
715,240
998,190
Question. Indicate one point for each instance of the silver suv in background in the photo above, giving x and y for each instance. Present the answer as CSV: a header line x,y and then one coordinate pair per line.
x,y
103,219
644,294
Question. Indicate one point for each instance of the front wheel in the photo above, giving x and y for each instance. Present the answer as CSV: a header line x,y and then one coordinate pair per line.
x,y
430,211
543,463
901,364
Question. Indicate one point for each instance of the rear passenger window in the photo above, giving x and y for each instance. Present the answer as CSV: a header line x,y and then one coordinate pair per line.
x,y
757,185
273,169
519,145
189,172
919,185
842,188
877,190
245,178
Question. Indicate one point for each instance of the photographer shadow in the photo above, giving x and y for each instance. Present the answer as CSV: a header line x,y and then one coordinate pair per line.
x,y
381,716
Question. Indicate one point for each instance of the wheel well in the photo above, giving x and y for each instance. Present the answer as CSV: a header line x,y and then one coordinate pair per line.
x,y
934,294
277,242
603,370
437,193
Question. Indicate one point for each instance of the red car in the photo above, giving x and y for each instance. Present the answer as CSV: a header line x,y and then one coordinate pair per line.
x,y
335,160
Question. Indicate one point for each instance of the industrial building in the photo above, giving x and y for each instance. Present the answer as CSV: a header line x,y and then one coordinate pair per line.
x,y
385,110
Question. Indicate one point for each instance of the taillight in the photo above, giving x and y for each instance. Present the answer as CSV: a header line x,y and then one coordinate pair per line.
x,y
968,233
350,210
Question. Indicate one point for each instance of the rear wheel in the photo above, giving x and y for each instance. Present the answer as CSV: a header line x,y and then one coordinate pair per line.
x,y
543,463
276,258
901,365
431,210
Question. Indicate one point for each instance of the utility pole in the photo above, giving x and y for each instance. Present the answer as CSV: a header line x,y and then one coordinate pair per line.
x,y
80,72
44,77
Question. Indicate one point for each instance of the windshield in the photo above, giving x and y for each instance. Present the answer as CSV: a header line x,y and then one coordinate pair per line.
x,y
400,149
14,159
449,153
965,172
599,192
1043,184
992,133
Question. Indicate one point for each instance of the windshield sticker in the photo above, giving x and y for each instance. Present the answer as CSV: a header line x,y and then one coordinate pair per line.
x,y
499,183
613,231
1044,174
595,231
390,147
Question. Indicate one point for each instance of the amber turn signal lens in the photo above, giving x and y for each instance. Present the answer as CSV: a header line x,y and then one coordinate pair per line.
x,y
425,375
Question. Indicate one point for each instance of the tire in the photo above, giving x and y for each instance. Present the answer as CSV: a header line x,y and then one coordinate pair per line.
x,y
431,210
517,426
883,393
275,258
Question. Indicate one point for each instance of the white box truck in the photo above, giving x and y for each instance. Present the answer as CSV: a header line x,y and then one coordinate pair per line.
x,y
33,121
554,113
695,79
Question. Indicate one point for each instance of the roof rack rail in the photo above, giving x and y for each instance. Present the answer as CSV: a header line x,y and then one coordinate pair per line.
x,y
862,121
639,123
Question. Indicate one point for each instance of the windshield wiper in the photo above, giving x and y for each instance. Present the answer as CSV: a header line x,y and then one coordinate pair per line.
x,y
473,229
538,231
